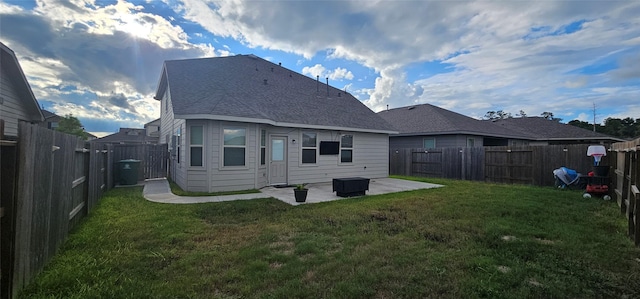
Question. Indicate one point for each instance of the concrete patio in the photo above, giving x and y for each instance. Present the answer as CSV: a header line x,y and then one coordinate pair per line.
x,y
157,190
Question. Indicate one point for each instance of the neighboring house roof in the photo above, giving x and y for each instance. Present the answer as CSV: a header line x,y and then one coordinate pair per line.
x,y
539,128
427,119
9,62
128,135
155,122
48,114
247,88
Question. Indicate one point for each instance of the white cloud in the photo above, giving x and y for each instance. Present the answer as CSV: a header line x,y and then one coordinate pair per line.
x,y
505,55
341,73
314,71
319,70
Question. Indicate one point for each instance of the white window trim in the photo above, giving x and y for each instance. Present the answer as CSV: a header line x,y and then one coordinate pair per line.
x,y
178,143
260,147
246,148
189,146
301,147
352,148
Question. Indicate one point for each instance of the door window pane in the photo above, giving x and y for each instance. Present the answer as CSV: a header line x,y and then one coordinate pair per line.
x,y
277,150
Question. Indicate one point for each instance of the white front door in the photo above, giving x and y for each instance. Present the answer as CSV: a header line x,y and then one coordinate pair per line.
x,y
278,161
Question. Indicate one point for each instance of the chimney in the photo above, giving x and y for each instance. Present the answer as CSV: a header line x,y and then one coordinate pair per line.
x,y
317,84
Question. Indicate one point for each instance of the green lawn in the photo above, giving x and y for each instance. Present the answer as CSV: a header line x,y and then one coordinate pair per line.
x,y
466,240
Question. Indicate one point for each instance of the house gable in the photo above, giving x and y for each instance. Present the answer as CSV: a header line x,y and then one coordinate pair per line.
x,y
17,102
246,88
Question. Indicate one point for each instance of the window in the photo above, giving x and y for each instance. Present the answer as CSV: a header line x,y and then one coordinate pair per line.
x,y
196,144
177,142
309,147
429,143
263,147
234,146
346,149
471,142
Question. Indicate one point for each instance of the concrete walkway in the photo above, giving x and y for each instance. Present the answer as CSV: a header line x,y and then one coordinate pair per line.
x,y
157,190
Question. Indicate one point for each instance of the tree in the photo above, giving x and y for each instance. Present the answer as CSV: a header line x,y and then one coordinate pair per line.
x,y
71,125
549,116
522,114
491,115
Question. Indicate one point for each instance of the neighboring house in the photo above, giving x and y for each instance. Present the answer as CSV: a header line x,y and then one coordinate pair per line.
x,y
17,102
428,126
51,120
242,122
128,136
153,128
542,131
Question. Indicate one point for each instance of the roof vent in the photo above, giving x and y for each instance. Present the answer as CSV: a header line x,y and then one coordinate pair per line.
x,y
272,70
410,108
265,81
339,95
280,63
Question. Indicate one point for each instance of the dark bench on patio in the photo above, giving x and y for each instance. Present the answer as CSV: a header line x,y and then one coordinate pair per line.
x,y
346,187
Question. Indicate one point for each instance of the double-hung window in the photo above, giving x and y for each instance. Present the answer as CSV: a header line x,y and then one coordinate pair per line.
x,y
235,146
309,147
196,145
346,149
263,147
178,139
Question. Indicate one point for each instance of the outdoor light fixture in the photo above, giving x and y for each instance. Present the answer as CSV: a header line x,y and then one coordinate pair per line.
x,y
293,141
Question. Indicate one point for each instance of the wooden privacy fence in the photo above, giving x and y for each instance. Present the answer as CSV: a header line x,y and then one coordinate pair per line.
x,y
626,182
502,164
49,182
154,158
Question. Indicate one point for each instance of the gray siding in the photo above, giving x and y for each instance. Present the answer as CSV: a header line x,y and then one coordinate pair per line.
x,y
370,158
12,109
168,127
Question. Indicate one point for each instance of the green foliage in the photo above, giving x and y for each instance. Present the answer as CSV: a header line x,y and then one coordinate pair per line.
x,y
71,125
491,115
626,128
464,240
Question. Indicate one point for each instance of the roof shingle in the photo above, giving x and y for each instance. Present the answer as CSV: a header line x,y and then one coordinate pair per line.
x,y
245,86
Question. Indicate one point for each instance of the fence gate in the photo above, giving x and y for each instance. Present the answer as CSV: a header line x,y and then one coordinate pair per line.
x,y
154,158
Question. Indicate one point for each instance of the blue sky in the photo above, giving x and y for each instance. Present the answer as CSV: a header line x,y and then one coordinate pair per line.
x,y
101,60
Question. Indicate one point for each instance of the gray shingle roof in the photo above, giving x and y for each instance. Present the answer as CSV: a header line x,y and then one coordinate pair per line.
x,y
544,129
235,86
128,136
427,119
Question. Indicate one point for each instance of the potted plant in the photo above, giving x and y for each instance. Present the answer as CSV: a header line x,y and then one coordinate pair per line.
x,y
300,192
